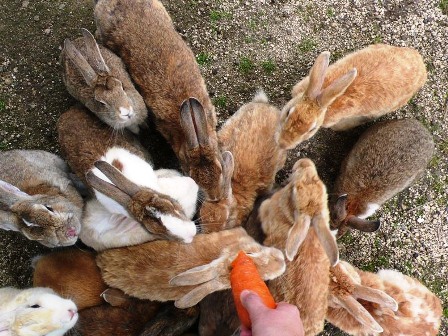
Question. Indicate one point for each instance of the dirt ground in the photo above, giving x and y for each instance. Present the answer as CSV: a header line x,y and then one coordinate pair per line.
x,y
242,46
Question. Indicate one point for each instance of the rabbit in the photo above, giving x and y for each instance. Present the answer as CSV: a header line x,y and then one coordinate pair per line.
x,y
185,273
166,72
97,78
35,312
386,159
108,223
391,303
358,88
251,135
295,219
38,199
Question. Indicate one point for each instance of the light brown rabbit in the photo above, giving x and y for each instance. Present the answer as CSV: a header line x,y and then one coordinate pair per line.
x,y
390,303
169,270
295,219
251,135
37,197
387,158
98,79
165,70
360,87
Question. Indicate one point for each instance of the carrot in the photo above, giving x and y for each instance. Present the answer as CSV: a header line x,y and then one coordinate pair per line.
x,y
244,275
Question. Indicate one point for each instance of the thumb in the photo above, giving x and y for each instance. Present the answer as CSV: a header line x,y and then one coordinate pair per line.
x,y
252,302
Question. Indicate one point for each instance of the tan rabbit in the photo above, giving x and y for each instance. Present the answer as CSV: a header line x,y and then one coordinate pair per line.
x,y
390,303
387,158
37,197
169,270
98,79
251,135
163,211
295,219
360,87
168,77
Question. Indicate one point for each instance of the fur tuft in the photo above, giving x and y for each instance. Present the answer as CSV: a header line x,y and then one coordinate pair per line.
x,y
260,97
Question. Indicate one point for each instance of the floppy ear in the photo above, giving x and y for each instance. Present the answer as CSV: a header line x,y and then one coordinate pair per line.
x,y
363,224
116,297
296,236
337,88
326,238
81,63
375,295
317,75
339,210
10,194
200,292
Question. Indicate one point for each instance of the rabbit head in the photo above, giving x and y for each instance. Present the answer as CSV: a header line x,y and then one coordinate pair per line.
x,y
36,312
49,219
160,214
303,115
342,217
105,94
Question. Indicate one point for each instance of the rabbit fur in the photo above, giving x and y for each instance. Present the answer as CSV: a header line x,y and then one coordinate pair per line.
x,y
386,159
414,310
97,78
358,88
295,219
168,77
35,312
37,197
106,223
253,129
184,272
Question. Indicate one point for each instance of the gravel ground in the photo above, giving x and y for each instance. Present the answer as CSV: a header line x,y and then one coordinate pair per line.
x,y
242,46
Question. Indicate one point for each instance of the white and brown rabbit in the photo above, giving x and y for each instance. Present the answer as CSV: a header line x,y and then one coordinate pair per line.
x,y
358,88
97,78
35,312
165,70
163,203
38,198
387,303
251,135
387,158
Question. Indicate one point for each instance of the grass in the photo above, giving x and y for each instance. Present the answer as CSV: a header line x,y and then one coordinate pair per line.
x,y
203,58
246,65
376,264
219,15
445,311
443,4
307,45
220,101
268,66
2,105
3,145
330,12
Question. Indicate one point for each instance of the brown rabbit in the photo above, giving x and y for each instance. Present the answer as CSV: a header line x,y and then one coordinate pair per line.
x,y
296,219
186,273
165,70
360,87
251,135
390,303
387,158
98,79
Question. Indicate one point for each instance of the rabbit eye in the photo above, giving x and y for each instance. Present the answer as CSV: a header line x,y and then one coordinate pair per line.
x,y
49,208
35,306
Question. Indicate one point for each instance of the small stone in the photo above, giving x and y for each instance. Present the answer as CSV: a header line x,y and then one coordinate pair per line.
x,y
36,18
47,31
25,4
420,220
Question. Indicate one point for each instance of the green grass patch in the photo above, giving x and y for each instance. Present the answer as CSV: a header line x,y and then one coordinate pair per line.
x,y
268,66
307,45
3,145
443,4
2,105
330,12
216,15
220,101
445,311
246,65
203,58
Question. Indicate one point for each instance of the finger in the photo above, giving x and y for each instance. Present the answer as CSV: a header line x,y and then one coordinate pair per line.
x,y
252,302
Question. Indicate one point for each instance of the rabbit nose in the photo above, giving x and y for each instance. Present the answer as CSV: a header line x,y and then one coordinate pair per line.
x,y
126,113
71,232
72,312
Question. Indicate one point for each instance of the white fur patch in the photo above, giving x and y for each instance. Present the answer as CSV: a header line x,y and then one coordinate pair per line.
x,y
371,208
183,189
29,224
260,97
179,228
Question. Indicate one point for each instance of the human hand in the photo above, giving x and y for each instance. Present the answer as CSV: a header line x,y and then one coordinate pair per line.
x,y
284,320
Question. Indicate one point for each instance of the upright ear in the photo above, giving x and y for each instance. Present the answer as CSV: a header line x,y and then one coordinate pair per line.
x,y
339,210
94,56
228,166
317,75
10,194
296,235
335,89
326,238
81,63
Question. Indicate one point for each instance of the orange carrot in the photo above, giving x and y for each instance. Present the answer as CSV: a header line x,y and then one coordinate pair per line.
x,y
244,275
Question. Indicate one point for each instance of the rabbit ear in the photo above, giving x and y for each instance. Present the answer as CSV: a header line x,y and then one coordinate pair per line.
x,y
194,123
358,312
198,293
117,178
340,209
296,236
198,275
375,295
116,297
228,166
363,224
317,75
337,88
81,63
326,238
94,56
107,189
10,194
